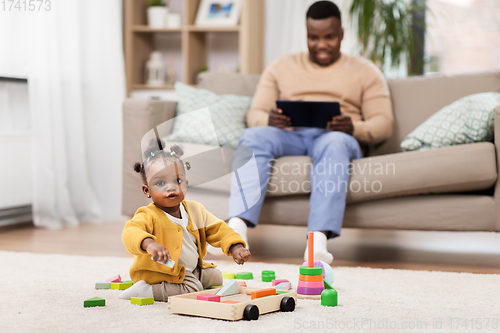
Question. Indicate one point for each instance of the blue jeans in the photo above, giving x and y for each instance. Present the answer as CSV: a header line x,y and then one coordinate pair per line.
x,y
326,147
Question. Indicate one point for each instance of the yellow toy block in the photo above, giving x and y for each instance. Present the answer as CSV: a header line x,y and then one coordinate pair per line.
x,y
121,285
142,300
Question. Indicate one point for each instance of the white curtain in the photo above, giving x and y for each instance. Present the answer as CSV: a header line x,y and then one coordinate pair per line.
x,y
74,63
285,28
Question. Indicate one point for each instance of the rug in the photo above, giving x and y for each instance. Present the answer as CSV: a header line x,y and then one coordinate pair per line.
x,y
45,293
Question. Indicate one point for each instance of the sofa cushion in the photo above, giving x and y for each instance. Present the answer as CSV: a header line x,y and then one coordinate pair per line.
x,y
415,99
468,120
209,169
206,118
461,168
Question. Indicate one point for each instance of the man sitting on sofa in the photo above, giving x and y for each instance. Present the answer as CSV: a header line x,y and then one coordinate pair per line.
x,y
322,74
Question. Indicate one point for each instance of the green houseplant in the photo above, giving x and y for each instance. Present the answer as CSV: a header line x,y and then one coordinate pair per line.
x,y
390,30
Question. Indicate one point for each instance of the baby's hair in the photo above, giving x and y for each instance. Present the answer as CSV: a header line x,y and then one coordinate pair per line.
x,y
155,151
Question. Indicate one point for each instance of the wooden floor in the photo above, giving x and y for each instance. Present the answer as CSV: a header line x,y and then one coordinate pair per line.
x,y
454,252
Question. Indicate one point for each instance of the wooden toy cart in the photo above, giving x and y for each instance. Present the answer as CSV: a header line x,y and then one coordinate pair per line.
x,y
243,307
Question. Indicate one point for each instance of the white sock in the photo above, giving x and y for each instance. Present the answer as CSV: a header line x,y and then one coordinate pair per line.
x,y
139,289
320,248
237,225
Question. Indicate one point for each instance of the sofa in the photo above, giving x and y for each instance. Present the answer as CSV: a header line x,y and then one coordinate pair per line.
x,y
446,189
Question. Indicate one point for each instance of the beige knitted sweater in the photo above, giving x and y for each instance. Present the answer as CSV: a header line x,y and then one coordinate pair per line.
x,y
355,82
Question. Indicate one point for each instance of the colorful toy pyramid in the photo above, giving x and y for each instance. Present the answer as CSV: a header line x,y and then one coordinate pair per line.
x,y
311,277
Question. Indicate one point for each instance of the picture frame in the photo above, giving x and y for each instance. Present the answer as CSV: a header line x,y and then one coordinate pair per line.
x,y
219,13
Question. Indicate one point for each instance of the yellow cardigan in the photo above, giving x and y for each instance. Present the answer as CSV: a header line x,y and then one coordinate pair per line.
x,y
151,221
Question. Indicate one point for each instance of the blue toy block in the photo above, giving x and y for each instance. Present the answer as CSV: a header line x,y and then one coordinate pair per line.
x,y
230,288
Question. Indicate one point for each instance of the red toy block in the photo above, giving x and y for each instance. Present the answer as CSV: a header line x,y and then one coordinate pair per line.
x,y
263,293
276,282
241,284
115,279
208,297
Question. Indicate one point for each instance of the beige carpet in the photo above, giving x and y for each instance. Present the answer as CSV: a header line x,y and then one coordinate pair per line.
x,y
45,293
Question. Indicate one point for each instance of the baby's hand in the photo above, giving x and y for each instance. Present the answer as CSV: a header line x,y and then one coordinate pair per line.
x,y
159,252
240,254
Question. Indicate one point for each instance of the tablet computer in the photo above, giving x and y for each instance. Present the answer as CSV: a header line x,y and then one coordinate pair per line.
x,y
309,113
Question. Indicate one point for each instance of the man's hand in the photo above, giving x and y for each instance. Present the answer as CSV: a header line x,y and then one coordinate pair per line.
x,y
240,254
278,119
341,123
156,250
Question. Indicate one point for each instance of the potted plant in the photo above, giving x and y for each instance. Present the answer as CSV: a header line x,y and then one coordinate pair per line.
x,y
392,29
157,14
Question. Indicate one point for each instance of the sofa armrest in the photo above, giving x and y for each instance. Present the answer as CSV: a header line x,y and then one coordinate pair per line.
x,y
497,185
139,117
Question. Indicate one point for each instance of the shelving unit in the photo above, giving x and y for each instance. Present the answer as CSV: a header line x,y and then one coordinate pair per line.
x,y
140,42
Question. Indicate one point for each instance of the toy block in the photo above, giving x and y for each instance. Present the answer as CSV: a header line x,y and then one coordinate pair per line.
x,y
309,291
316,284
284,286
96,301
279,292
311,270
127,281
121,285
268,273
244,276
276,282
263,293
142,300
329,297
228,275
268,276
216,287
327,285
230,288
169,263
241,283
103,285
208,297
231,302
310,250
310,278
116,279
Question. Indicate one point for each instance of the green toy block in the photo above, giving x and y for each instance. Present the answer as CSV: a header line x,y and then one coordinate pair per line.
x,y
279,292
316,270
128,281
142,300
103,285
244,276
327,285
268,276
96,301
329,297
121,285
215,287
228,275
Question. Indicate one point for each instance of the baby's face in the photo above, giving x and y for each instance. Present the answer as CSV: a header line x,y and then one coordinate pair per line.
x,y
166,182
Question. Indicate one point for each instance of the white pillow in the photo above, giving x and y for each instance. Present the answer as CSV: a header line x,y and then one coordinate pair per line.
x,y
467,120
226,115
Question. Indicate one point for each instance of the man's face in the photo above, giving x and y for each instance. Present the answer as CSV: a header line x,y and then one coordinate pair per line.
x,y
323,40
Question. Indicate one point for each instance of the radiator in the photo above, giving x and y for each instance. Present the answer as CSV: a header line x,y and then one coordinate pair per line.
x,y
15,152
